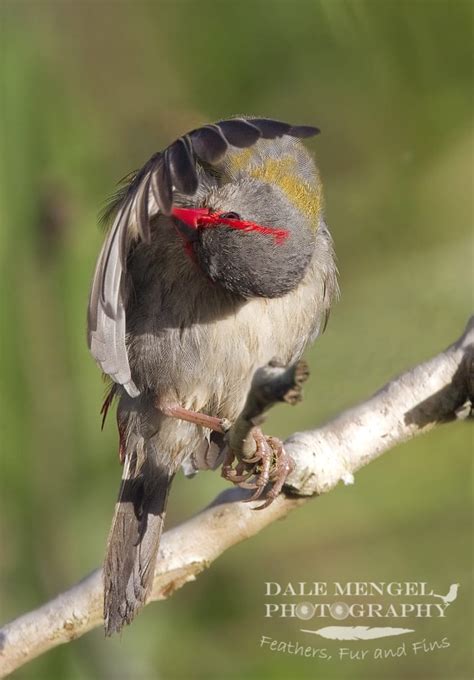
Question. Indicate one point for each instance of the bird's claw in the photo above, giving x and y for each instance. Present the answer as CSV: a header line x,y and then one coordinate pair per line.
x,y
270,464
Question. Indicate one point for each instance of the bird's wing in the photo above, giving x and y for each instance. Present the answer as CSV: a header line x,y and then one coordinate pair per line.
x,y
148,192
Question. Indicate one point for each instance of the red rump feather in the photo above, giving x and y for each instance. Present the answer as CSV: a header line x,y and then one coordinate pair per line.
x,y
203,218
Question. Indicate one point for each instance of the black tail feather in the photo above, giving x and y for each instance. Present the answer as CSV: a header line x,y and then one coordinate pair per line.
x,y
135,535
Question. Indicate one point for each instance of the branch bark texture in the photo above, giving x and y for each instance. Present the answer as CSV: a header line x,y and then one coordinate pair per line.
x,y
437,391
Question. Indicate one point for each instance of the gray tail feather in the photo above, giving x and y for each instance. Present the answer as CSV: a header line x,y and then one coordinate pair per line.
x,y
135,534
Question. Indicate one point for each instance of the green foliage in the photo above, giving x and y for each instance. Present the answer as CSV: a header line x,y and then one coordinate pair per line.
x,y
93,89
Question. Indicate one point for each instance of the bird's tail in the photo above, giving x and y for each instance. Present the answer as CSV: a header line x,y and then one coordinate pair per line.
x,y
135,534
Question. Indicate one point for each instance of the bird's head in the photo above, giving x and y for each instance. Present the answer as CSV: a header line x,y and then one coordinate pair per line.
x,y
251,225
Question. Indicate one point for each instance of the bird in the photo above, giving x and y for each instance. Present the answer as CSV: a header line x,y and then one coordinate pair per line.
x,y
217,264
450,596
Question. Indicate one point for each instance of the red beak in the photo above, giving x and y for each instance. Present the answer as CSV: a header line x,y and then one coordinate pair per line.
x,y
192,217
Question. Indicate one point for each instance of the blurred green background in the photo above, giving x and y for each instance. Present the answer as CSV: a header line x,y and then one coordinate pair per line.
x,y
89,91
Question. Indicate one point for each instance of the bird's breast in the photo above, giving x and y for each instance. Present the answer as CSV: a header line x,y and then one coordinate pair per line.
x,y
193,343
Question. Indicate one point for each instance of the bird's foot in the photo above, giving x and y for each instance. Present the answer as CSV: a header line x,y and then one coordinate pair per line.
x,y
269,464
300,374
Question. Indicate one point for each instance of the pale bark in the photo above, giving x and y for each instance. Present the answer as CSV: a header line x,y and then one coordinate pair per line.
x,y
434,392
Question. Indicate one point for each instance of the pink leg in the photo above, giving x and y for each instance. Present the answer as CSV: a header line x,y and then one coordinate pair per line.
x,y
213,423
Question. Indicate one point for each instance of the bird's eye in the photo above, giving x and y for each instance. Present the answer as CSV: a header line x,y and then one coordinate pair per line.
x,y
230,216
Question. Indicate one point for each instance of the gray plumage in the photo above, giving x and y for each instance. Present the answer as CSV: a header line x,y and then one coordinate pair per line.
x,y
170,328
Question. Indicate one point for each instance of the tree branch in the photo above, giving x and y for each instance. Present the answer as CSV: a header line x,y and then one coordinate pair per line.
x,y
434,392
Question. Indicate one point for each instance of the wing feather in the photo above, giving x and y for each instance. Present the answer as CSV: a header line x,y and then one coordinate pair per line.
x,y
161,186
140,209
209,143
182,168
106,317
239,132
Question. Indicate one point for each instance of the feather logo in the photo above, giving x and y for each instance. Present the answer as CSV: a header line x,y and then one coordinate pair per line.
x,y
357,632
